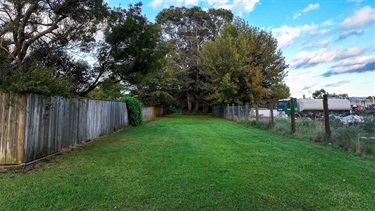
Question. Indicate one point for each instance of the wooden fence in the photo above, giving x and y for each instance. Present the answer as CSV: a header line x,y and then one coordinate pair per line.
x,y
150,113
34,126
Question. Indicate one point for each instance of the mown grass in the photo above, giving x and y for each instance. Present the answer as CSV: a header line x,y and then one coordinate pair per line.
x,y
194,163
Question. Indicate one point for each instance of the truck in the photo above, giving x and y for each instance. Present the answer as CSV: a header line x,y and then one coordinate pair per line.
x,y
313,108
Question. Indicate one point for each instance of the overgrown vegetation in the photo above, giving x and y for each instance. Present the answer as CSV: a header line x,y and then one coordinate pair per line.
x,y
38,79
134,110
346,137
195,163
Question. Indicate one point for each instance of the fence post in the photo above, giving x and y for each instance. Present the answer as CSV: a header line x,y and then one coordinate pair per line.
x,y
228,111
326,118
232,111
246,112
292,116
239,113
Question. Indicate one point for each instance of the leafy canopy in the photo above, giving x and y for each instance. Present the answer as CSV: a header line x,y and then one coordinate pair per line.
x,y
243,65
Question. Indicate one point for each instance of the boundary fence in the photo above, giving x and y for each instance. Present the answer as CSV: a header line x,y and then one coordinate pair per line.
x,y
34,126
242,113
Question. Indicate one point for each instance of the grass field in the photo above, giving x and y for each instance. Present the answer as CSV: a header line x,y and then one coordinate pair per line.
x,y
194,163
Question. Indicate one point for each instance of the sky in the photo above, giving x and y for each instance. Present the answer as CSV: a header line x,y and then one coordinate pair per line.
x,y
328,44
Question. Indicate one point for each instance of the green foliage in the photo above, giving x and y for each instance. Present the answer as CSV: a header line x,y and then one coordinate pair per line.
x,y
368,125
343,136
161,88
18,79
108,90
187,30
347,138
134,110
158,99
318,94
133,45
243,65
279,91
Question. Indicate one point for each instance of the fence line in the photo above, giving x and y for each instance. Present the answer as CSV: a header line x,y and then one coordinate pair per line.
x,y
36,126
240,113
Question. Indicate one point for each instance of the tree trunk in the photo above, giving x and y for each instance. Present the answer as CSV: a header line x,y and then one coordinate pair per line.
x,y
190,106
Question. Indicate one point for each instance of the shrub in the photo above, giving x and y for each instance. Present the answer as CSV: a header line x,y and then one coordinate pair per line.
x,y
346,137
369,124
134,110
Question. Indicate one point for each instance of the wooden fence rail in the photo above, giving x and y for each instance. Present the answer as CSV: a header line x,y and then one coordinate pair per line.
x,y
34,126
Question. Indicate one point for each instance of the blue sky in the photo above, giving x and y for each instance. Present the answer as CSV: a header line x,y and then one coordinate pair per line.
x,y
328,44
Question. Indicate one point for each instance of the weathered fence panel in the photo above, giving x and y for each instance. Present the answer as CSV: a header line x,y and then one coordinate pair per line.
x,y
150,113
12,124
35,126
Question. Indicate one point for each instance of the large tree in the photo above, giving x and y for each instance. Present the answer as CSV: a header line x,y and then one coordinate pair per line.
x,y
44,34
133,46
187,30
23,23
244,65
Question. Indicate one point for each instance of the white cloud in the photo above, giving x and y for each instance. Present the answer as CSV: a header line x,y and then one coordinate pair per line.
x,y
311,7
319,33
328,23
238,6
308,8
325,43
357,64
156,3
311,58
297,15
166,3
362,17
286,35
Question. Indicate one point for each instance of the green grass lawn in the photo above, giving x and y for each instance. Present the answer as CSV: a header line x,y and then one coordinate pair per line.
x,y
194,163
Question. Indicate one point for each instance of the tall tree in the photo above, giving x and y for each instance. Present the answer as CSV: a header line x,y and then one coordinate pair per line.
x,y
132,49
23,23
162,88
244,65
47,30
187,30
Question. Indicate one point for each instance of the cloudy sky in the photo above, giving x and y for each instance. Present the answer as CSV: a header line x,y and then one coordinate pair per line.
x,y
328,44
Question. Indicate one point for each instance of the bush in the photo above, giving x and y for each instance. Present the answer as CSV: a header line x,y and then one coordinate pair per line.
x,y
134,110
347,137
369,125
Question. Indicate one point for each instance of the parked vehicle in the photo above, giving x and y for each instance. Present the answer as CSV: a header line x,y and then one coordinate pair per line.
x,y
313,108
368,111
